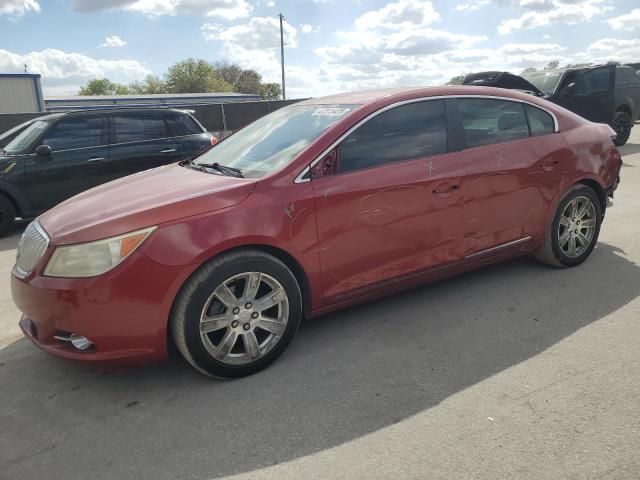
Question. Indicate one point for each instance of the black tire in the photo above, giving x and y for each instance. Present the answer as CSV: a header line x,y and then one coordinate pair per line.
x,y
622,124
551,252
197,292
7,216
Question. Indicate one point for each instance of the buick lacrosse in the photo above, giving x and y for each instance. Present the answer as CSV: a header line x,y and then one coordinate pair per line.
x,y
316,206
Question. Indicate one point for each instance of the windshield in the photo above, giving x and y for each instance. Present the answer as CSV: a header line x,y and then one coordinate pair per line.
x,y
546,82
274,140
13,130
24,140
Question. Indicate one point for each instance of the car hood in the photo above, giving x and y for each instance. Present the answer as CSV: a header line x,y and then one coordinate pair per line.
x,y
147,198
501,80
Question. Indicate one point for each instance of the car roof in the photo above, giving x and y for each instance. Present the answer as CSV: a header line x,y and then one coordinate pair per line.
x,y
391,95
120,110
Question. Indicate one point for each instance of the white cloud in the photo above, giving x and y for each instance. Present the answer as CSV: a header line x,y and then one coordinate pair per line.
x,y
392,46
306,28
15,9
64,71
546,12
612,49
258,33
271,3
228,9
628,21
254,44
399,15
473,5
113,41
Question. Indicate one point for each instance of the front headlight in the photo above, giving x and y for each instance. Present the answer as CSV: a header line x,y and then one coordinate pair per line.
x,y
94,258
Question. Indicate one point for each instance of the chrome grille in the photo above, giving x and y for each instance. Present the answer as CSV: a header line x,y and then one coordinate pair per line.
x,y
32,246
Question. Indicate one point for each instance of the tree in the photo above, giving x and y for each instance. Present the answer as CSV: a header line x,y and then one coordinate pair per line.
x,y
457,80
229,72
249,81
195,76
103,86
529,69
151,84
552,65
270,91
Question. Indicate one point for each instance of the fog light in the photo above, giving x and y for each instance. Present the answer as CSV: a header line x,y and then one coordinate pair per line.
x,y
80,342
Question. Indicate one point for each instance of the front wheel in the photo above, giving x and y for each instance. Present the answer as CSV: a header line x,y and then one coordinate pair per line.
x,y
573,233
236,314
622,124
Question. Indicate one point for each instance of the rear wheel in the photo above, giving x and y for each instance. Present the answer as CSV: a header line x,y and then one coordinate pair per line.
x,y
622,124
7,215
237,314
573,233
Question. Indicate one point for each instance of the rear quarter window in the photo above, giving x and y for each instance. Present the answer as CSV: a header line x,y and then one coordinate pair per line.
x,y
181,125
541,122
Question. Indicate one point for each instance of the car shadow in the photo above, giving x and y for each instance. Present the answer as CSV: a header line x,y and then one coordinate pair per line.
x,y
347,374
630,148
10,241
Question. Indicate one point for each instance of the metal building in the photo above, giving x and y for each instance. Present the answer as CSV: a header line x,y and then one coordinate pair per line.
x,y
20,93
78,102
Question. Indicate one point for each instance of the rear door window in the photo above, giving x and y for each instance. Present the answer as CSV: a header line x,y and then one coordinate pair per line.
x,y
81,132
137,128
406,132
181,125
487,121
541,122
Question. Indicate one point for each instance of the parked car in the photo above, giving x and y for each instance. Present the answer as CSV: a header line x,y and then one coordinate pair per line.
x,y
60,155
603,93
314,207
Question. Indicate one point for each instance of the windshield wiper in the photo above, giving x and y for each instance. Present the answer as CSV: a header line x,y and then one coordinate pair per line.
x,y
230,171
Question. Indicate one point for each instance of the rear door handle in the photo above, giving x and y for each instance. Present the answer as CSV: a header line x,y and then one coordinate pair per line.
x,y
168,150
96,159
445,188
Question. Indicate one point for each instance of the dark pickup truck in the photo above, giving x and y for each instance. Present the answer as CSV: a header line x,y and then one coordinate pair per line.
x,y
603,93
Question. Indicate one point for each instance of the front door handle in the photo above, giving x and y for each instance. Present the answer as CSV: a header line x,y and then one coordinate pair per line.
x,y
96,159
168,150
549,165
445,188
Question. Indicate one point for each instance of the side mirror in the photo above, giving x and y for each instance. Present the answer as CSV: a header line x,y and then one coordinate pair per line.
x,y
43,150
327,166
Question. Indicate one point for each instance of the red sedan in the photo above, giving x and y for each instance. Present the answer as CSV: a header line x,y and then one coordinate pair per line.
x,y
314,207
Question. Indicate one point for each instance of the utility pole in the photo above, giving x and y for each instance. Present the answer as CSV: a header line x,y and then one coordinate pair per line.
x,y
282,55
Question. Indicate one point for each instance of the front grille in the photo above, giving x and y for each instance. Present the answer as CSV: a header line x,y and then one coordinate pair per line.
x,y
32,246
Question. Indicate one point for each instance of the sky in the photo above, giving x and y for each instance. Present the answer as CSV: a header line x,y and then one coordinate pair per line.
x,y
331,45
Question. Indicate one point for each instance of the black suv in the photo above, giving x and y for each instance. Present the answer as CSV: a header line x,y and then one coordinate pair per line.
x,y
600,93
60,155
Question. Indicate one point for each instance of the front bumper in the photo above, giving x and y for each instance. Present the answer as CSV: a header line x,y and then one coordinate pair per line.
x,y
123,312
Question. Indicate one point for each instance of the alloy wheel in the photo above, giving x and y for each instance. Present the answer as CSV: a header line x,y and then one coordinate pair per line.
x,y
577,226
244,318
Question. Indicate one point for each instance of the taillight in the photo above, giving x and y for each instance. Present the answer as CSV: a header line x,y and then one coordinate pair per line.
x,y
214,140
